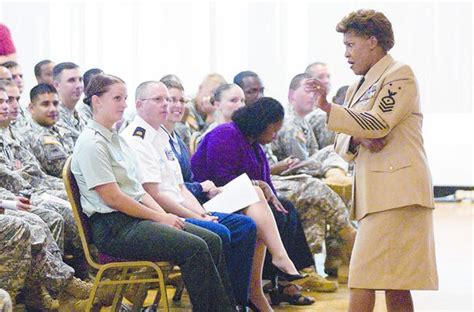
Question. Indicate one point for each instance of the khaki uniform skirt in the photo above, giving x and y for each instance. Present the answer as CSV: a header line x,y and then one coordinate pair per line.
x,y
395,249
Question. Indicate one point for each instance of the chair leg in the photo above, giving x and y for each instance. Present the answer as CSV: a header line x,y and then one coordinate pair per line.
x,y
97,280
119,290
179,292
139,297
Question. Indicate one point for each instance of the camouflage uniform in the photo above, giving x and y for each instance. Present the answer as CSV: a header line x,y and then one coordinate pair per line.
x,y
296,139
70,122
22,122
317,121
21,174
51,146
84,111
46,268
15,253
318,205
5,302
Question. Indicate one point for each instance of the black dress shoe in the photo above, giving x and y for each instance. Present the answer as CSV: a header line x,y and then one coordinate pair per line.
x,y
283,276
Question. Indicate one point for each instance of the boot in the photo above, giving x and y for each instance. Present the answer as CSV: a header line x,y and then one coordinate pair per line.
x,y
38,298
315,282
69,303
347,235
333,257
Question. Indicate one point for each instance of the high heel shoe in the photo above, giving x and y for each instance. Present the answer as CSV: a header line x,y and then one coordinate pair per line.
x,y
288,277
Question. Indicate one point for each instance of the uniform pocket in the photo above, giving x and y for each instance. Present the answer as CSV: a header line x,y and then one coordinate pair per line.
x,y
389,164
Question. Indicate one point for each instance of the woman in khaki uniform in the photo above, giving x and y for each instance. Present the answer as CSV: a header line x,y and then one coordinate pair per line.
x,y
380,130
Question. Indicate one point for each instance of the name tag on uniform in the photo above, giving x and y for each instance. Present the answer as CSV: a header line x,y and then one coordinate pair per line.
x,y
169,155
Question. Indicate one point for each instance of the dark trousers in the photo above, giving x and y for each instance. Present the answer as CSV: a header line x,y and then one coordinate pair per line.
x,y
294,240
238,235
196,251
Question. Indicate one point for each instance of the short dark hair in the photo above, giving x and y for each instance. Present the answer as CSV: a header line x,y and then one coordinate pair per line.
x,y
369,23
86,78
239,78
10,64
171,77
99,85
58,69
253,119
42,88
170,82
39,65
296,81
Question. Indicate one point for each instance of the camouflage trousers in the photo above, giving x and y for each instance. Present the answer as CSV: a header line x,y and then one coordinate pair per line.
x,y
47,267
5,302
72,241
15,253
318,206
54,221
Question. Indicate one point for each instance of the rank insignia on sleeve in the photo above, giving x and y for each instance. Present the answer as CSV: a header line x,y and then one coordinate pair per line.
x,y
139,132
388,102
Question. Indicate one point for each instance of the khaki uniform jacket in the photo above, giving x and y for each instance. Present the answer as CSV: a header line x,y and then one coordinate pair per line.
x,y
386,105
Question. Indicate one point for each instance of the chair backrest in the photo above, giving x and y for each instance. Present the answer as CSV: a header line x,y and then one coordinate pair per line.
x,y
82,221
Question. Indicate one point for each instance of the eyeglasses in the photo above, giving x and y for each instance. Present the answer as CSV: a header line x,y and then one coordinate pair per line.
x,y
159,99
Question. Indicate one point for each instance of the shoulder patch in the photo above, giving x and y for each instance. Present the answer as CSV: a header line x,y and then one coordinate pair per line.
x,y
50,140
139,132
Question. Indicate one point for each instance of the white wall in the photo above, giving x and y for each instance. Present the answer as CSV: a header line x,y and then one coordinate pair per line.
x,y
141,40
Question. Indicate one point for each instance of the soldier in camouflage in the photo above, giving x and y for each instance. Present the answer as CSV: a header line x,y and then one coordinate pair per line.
x,y
317,118
31,262
296,139
21,174
67,80
50,144
17,115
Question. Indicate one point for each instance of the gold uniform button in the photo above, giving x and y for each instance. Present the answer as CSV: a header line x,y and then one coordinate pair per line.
x,y
390,168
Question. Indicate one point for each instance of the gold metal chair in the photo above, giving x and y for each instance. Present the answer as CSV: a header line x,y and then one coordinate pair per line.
x,y
106,262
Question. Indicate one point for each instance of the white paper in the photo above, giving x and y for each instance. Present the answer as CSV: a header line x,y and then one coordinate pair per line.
x,y
235,195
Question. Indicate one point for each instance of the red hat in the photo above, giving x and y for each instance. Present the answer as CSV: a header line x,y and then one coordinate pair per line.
x,y
6,44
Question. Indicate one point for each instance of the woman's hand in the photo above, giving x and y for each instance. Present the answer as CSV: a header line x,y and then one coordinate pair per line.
x,y
284,164
373,145
320,93
210,218
271,197
213,192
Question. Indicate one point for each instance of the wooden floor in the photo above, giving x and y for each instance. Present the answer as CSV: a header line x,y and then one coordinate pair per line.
x,y
454,238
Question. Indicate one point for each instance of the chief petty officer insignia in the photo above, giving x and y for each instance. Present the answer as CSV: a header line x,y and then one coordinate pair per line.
x,y
388,102
139,132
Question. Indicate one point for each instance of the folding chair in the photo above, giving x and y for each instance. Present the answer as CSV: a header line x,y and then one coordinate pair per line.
x,y
106,262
